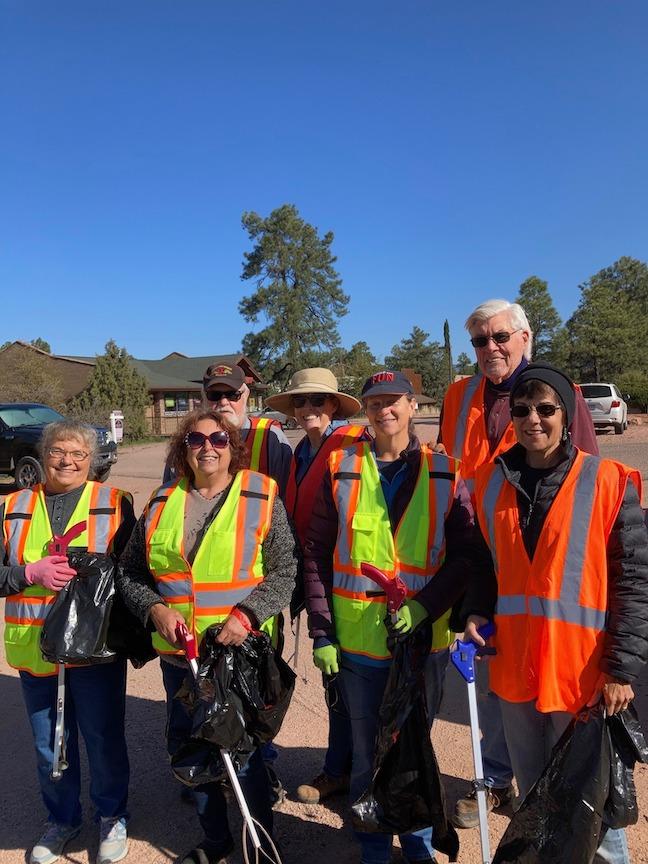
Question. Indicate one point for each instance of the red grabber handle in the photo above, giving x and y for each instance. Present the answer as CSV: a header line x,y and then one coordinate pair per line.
x,y
187,640
394,589
59,545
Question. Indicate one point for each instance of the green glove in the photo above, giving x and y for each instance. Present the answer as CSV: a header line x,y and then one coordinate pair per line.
x,y
327,659
410,615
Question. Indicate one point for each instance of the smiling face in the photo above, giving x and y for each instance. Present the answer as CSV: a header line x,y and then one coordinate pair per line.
x,y
231,409
208,462
313,417
389,416
539,435
498,361
67,465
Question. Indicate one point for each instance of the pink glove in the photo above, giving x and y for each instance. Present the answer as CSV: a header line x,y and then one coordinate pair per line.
x,y
52,572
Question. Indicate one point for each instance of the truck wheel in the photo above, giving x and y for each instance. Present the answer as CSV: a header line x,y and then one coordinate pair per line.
x,y
28,472
618,428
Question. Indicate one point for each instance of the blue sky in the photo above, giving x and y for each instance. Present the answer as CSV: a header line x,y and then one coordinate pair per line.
x,y
453,149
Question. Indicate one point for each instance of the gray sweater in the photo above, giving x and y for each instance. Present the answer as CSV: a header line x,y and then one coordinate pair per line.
x,y
137,586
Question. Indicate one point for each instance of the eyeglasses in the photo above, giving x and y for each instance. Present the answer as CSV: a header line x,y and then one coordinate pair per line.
x,y
317,400
498,338
197,440
230,395
544,409
75,455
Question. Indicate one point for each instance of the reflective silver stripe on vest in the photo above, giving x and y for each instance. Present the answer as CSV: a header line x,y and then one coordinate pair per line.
x,y
470,485
462,419
567,608
361,585
492,493
159,500
17,523
102,521
27,611
344,483
173,588
254,483
206,599
443,496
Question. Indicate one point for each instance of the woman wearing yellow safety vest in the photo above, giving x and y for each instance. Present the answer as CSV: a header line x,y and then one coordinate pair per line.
x,y
95,695
567,536
212,546
397,505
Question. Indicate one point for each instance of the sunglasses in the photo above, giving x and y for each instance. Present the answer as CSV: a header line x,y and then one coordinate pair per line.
x,y
197,440
498,338
317,400
230,395
544,409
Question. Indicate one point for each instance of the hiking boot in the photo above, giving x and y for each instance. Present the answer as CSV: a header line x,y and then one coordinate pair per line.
x,y
321,788
466,814
52,843
113,841
207,853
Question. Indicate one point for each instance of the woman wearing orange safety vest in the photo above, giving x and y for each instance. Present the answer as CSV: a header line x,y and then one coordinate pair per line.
x,y
570,551
313,399
95,695
212,546
397,505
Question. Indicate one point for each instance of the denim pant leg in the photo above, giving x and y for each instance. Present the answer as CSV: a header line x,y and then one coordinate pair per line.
x,y
99,696
531,737
209,798
61,798
495,756
337,761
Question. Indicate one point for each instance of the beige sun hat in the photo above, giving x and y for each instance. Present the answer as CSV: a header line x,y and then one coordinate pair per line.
x,y
313,381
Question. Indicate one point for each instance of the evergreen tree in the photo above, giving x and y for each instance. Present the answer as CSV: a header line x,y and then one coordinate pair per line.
x,y
114,383
426,358
536,301
42,344
28,377
465,365
448,351
298,292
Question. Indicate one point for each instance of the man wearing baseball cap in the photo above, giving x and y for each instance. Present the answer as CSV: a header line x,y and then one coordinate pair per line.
x,y
396,504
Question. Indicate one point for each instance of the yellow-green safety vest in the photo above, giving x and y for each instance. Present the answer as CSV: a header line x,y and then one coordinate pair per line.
x,y
229,560
415,552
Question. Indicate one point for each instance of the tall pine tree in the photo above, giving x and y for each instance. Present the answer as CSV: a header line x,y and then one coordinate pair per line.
x,y
536,301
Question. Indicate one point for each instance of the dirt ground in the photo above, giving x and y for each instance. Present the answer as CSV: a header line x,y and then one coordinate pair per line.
x,y
162,826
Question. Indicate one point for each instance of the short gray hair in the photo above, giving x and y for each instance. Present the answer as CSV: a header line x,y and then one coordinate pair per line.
x,y
64,430
516,314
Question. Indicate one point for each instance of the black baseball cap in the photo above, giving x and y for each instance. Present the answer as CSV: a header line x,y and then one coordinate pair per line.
x,y
392,383
220,375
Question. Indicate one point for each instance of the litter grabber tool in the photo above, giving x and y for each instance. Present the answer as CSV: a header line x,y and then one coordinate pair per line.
x,y
394,589
463,658
58,545
252,833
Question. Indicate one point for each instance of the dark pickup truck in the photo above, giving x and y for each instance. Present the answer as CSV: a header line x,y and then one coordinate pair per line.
x,y
21,428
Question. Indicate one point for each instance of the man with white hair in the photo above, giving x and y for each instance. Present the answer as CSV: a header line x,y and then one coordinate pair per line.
x,y
475,427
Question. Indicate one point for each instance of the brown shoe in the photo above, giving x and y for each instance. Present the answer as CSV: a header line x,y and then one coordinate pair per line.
x,y
321,788
466,814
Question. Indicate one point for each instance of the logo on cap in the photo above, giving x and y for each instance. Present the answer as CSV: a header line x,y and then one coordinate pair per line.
x,y
382,377
221,370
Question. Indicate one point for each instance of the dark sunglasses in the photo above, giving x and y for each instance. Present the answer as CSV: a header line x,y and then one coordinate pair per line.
x,y
544,409
315,399
230,395
498,338
197,440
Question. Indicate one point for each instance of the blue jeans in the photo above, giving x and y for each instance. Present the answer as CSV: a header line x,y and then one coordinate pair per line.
x,y
95,702
362,689
531,736
209,798
495,755
337,761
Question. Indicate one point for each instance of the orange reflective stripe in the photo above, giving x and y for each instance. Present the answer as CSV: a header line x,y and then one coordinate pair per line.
x,y
22,502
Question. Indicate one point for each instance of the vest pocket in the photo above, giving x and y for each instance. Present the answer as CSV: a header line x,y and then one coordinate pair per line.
x,y
365,536
160,546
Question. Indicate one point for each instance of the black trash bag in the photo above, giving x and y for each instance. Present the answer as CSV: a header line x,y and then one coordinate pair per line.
x,y
127,636
238,702
406,793
560,820
76,627
628,746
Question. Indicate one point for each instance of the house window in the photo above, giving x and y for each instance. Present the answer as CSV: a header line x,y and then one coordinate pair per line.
x,y
176,403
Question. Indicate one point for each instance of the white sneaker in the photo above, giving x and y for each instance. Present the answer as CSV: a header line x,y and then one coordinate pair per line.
x,y
113,841
52,843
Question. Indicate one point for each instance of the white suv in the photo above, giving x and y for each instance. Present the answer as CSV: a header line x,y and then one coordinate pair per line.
x,y
606,405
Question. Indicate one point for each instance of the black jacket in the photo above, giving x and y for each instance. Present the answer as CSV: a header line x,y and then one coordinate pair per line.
x,y
626,639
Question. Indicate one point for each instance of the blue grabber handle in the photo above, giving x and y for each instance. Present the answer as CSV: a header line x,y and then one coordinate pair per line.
x,y
463,656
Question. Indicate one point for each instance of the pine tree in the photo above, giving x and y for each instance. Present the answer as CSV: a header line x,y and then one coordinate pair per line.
x,y
448,351
536,301
426,358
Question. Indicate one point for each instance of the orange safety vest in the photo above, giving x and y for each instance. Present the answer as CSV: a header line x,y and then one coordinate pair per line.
x,y
463,428
551,611
300,496
257,442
